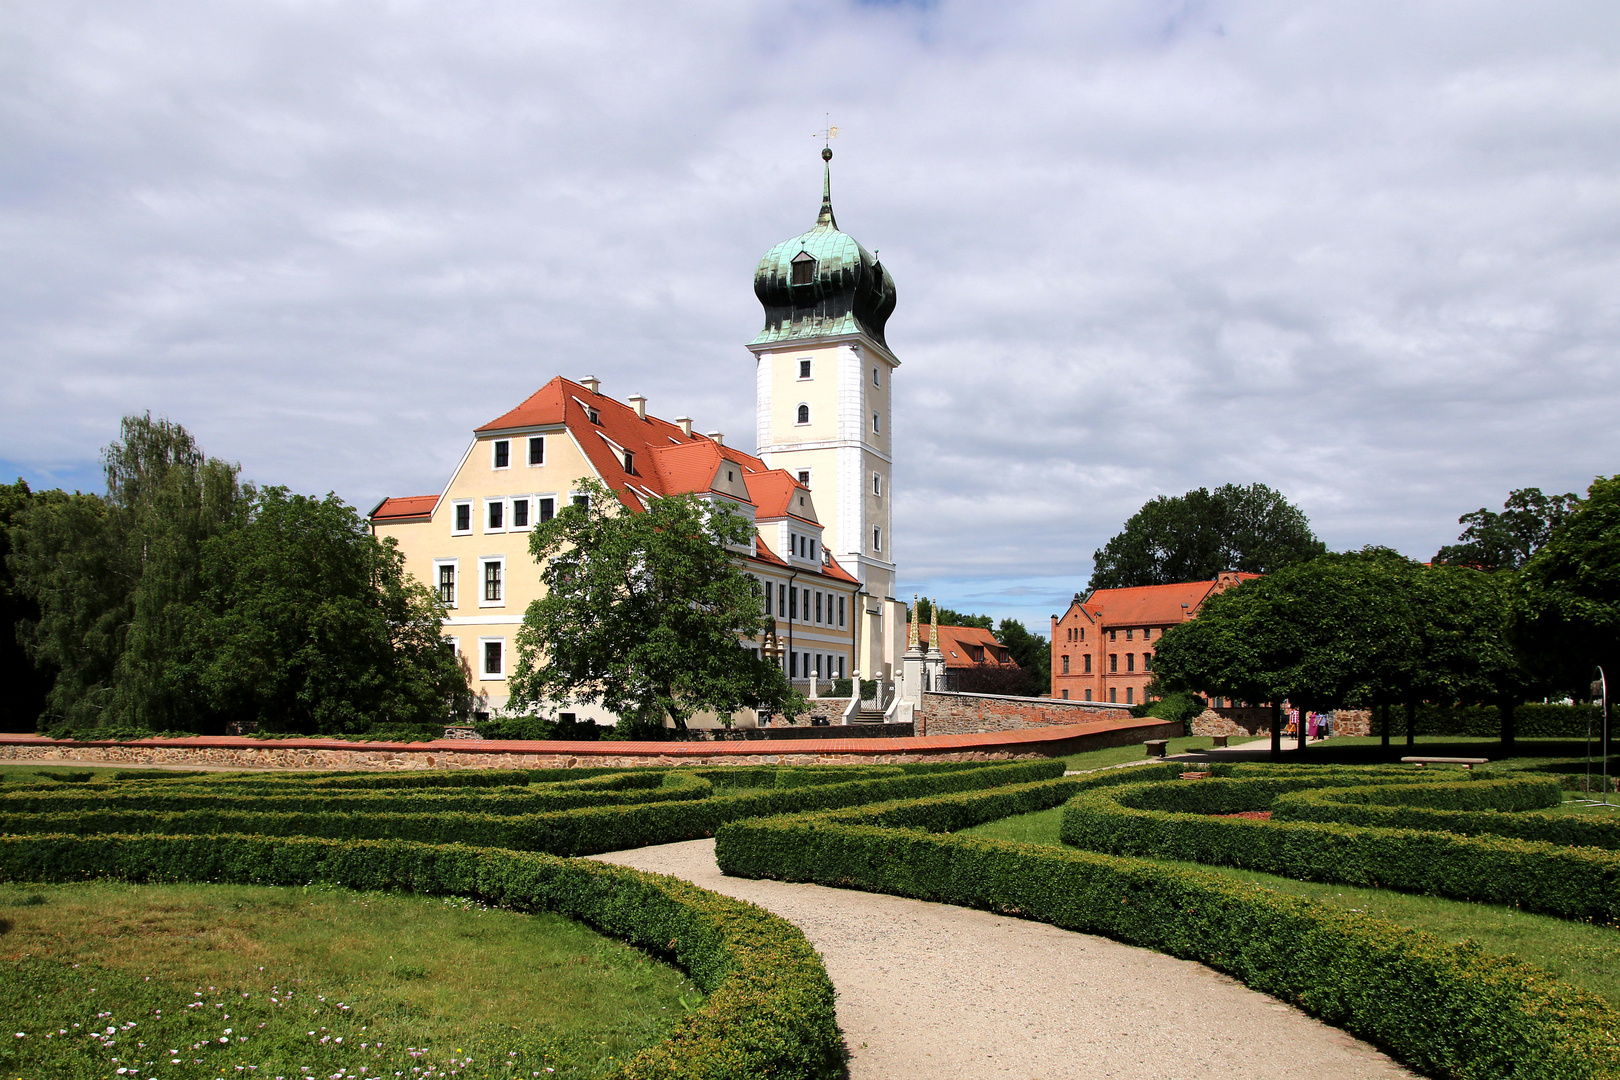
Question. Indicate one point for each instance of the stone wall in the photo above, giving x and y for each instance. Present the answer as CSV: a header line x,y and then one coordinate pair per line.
x,y
961,713
1256,722
243,753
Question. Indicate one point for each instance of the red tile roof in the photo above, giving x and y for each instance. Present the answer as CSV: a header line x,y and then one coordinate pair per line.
x,y
1145,605
968,646
666,460
409,506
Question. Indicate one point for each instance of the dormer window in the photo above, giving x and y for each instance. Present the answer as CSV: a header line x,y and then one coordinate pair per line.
x,y
804,268
629,463
595,417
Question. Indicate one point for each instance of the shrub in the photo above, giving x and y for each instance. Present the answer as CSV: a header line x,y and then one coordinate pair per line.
x,y
1448,1010
1334,806
585,831
1172,821
769,1007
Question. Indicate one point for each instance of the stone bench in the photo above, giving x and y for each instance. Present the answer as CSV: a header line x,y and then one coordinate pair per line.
x,y
1156,747
1465,762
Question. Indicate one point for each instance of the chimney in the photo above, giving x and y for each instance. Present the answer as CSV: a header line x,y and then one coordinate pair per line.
x,y
717,437
591,383
639,403
685,423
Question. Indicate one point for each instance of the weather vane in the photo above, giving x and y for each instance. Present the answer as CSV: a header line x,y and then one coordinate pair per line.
x,y
827,135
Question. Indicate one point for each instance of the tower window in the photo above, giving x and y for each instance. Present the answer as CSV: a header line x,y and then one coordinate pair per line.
x,y
877,484
804,369
877,538
804,414
804,268
875,378
877,423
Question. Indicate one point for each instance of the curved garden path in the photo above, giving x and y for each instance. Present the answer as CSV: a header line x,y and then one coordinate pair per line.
x,y
929,990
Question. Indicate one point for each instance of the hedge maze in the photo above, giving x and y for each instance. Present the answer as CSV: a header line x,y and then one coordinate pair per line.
x,y
510,838
506,838
1447,1010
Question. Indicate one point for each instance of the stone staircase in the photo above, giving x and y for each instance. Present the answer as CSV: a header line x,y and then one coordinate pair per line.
x,y
868,714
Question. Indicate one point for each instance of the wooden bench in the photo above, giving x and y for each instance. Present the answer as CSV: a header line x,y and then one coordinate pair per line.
x,y
1465,762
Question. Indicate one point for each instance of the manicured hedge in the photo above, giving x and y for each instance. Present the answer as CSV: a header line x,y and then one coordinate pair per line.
x,y
1335,806
416,778
612,790
1149,820
769,1006
1448,1010
585,831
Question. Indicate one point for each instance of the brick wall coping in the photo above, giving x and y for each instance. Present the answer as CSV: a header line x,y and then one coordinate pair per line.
x,y
1033,741
1035,700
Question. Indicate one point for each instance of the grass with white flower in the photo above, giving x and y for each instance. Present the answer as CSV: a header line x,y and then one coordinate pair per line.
x,y
189,981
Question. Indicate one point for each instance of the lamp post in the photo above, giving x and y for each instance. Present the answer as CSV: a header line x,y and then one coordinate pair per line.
x,y
771,648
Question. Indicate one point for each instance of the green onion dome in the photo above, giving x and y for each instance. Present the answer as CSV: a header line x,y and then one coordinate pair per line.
x,y
822,283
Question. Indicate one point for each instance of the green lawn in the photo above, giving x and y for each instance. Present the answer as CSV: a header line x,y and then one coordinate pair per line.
x,y
1119,755
1580,953
302,982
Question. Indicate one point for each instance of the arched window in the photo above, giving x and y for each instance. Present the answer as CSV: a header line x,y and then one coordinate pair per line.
x,y
804,414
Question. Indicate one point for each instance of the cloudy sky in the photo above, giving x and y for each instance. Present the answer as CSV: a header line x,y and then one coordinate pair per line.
x,y
1365,253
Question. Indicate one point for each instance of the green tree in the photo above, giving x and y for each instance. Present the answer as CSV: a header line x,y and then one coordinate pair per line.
x,y
307,623
924,615
1338,630
1195,536
644,610
1565,602
1032,652
1506,541
26,685
111,578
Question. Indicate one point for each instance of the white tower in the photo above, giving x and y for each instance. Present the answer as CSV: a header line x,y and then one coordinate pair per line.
x,y
824,375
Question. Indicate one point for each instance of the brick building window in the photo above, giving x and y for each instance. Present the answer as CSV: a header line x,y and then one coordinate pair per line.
x,y
1065,665
1087,659
1129,634
1113,661
1147,661
1130,661
1088,695
1113,696
1065,695
1129,694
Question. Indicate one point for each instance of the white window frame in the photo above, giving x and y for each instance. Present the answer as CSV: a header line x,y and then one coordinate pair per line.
x,y
483,672
493,443
511,522
468,531
528,451
877,538
537,497
806,374
805,405
505,517
875,376
805,476
573,496
877,427
483,561
455,580
877,485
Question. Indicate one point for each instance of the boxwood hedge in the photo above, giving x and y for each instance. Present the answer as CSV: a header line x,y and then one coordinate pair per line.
x,y
1172,821
1448,1010
585,831
769,1006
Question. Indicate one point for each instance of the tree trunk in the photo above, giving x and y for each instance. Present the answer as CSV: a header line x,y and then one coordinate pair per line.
x,y
1383,726
1505,711
1411,724
1276,732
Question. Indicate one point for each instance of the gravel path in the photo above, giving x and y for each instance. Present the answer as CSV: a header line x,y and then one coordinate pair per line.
x,y
929,990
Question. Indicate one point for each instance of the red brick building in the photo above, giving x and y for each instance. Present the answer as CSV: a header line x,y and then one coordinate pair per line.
x,y
1102,647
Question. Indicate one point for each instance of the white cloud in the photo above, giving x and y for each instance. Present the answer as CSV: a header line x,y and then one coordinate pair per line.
x,y
1361,253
